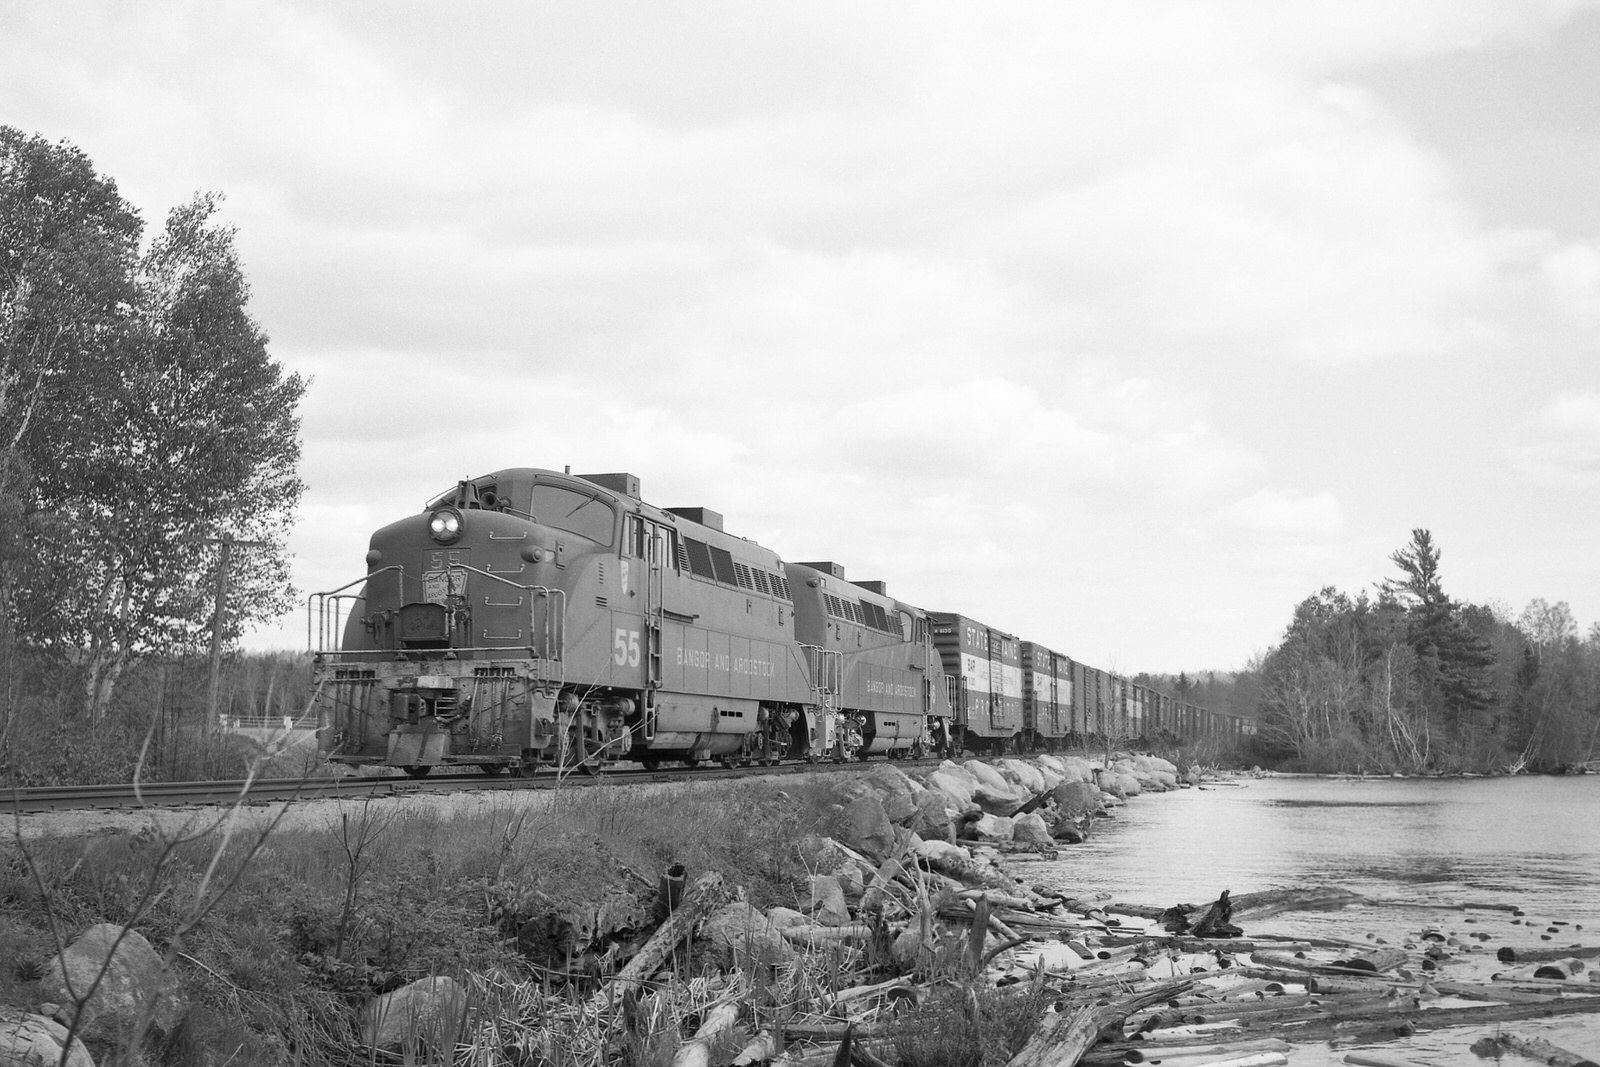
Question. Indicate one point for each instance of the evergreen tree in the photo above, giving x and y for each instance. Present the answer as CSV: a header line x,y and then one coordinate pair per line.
x,y
1452,657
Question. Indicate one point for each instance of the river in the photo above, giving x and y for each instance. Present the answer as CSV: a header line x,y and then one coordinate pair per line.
x,y
1418,847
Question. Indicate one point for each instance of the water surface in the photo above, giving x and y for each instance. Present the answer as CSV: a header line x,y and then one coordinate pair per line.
x,y
1420,849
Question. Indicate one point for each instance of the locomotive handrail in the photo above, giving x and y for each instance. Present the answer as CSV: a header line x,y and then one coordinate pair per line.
x,y
558,595
319,612
542,642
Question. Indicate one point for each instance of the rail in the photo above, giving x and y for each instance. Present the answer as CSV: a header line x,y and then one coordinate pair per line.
x,y
268,722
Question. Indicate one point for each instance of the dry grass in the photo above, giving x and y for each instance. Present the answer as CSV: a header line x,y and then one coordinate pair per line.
x,y
321,917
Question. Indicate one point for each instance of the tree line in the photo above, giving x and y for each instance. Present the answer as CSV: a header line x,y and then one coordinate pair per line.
x,y
147,437
1409,679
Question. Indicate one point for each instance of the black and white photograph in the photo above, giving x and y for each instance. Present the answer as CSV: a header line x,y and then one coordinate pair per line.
x,y
725,534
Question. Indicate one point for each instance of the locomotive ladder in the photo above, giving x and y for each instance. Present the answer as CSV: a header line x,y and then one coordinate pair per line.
x,y
652,626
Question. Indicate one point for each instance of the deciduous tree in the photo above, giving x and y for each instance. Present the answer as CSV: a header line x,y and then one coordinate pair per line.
x,y
143,416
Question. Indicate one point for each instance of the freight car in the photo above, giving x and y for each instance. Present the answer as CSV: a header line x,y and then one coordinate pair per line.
x,y
530,618
1047,697
983,669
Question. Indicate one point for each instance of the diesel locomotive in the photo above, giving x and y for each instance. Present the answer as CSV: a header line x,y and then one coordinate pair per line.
x,y
532,618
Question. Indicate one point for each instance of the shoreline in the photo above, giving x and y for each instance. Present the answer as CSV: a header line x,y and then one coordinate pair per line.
x,y
896,912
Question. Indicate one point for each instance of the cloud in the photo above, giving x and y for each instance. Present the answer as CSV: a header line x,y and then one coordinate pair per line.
x,y
1573,275
1560,445
996,303
1273,512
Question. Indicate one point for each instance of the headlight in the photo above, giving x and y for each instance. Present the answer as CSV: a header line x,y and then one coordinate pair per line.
x,y
445,525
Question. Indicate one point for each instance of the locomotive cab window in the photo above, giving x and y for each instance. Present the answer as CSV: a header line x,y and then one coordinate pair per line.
x,y
576,513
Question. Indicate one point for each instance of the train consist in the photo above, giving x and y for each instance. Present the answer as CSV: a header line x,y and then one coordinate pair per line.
x,y
529,618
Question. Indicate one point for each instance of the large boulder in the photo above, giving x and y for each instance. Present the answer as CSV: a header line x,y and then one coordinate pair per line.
x,y
1031,829
864,825
896,790
985,774
429,1013
1003,800
1119,785
932,820
826,853
915,949
1051,763
955,782
942,853
1073,829
1076,769
827,905
1153,773
1161,765
745,938
989,828
29,1040
135,990
1077,799
1021,773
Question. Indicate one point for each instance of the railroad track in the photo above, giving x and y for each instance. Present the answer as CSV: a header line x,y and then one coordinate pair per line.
x,y
33,800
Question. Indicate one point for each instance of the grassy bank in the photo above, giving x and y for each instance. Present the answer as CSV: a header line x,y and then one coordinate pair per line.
x,y
281,934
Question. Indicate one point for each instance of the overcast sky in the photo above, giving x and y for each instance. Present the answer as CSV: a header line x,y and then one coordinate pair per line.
x,y
1122,326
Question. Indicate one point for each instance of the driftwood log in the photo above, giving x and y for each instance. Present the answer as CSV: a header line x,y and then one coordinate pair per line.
x,y
1368,1058
1377,961
1502,993
1405,1018
827,935
706,894
1513,954
1217,921
1064,1037
1274,901
715,1031
1127,1052
760,1049
1539,1049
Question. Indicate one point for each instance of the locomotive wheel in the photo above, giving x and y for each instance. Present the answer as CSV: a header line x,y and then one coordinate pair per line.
x,y
650,764
576,754
419,770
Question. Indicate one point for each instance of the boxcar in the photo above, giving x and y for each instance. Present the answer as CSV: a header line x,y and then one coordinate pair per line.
x,y
1046,695
983,668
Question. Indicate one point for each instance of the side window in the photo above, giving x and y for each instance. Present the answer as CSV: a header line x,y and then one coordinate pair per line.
x,y
634,542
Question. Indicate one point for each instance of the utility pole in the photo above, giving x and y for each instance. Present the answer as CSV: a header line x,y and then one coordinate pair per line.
x,y
219,616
